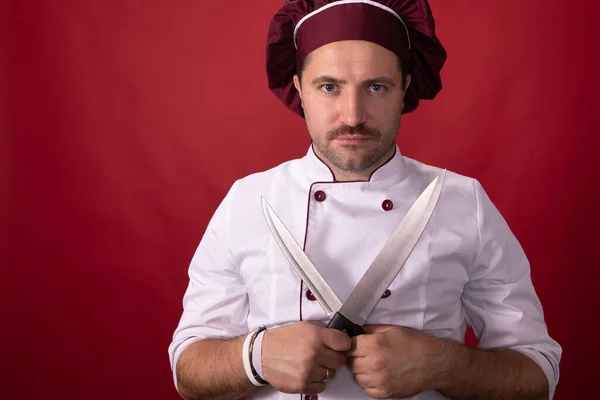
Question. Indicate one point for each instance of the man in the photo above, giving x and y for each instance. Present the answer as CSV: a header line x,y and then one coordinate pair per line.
x,y
351,68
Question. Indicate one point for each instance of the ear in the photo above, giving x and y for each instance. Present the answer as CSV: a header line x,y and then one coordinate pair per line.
x,y
297,85
406,83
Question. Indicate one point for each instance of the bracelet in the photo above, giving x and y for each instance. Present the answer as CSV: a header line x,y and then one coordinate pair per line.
x,y
257,354
250,351
247,358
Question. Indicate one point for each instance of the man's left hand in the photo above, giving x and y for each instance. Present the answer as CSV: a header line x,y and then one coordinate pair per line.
x,y
393,361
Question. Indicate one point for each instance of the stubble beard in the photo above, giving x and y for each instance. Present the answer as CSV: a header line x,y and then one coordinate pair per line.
x,y
356,158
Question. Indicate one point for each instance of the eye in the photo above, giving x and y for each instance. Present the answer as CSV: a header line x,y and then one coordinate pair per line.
x,y
328,87
378,88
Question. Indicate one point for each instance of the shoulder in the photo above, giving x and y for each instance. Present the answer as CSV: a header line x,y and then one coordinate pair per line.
x,y
458,188
259,183
242,203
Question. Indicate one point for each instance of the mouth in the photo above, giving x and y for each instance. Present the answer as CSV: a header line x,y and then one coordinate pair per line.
x,y
352,139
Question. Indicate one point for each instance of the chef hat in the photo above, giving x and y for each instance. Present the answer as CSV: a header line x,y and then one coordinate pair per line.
x,y
405,27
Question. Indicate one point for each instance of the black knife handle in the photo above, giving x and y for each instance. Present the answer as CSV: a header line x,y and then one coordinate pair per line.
x,y
341,323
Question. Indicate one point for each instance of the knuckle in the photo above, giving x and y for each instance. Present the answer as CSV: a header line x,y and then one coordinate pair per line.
x,y
310,354
370,345
378,364
377,341
313,334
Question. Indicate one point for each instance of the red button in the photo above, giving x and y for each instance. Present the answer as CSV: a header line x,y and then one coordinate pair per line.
x,y
311,397
310,296
387,205
320,195
387,293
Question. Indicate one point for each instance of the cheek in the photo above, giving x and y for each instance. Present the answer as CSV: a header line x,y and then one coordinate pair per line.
x,y
384,112
316,130
319,111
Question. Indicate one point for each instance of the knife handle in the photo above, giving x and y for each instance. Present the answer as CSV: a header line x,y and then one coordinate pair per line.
x,y
341,323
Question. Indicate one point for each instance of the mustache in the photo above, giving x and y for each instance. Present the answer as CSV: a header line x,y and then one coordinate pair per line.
x,y
360,130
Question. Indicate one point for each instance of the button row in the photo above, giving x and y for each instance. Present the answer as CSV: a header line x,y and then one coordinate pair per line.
x,y
320,196
310,296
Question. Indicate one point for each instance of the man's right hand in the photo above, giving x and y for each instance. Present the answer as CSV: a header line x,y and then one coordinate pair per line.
x,y
295,356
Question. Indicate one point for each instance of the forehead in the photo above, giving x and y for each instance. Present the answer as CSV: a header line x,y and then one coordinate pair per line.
x,y
353,57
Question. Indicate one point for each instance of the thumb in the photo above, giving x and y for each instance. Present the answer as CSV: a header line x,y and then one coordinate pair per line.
x,y
336,340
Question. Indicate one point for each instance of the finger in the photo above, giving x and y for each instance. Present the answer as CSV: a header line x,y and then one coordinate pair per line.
x,y
322,375
314,388
364,380
376,393
332,374
359,345
336,340
331,359
358,365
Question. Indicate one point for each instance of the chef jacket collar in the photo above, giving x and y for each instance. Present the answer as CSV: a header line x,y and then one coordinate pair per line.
x,y
318,171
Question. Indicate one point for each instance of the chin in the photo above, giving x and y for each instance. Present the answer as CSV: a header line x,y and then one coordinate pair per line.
x,y
354,164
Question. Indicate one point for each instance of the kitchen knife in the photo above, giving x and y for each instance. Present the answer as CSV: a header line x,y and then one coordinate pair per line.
x,y
388,263
352,314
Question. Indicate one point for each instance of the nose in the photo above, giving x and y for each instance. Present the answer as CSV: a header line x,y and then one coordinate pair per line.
x,y
352,108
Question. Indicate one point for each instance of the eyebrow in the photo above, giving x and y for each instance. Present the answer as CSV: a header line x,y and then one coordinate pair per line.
x,y
329,79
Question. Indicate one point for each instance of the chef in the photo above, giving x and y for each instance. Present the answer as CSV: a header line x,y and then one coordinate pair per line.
x,y
250,326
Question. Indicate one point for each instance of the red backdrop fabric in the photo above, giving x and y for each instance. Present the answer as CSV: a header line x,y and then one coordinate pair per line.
x,y
123,124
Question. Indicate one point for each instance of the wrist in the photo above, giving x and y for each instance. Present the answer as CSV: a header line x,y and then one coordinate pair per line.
x,y
257,354
445,357
247,356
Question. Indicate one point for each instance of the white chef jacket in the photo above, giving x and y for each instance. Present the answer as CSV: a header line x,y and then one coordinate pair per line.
x,y
467,268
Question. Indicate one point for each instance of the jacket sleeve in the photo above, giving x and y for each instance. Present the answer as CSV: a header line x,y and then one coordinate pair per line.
x,y
500,301
215,301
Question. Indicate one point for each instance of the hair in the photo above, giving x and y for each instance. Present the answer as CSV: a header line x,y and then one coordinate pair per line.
x,y
304,61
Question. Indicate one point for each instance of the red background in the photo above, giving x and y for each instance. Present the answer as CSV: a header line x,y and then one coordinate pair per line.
x,y
124,123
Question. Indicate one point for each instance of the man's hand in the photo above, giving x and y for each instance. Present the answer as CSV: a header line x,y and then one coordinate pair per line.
x,y
392,361
295,357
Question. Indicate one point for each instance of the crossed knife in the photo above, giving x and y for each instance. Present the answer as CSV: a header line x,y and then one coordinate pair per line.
x,y
352,314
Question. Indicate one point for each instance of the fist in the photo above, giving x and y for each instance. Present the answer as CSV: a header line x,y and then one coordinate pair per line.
x,y
302,357
392,361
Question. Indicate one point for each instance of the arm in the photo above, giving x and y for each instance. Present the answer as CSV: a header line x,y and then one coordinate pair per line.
x,y
466,373
215,305
516,357
206,350
213,369
502,307
294,361
399,362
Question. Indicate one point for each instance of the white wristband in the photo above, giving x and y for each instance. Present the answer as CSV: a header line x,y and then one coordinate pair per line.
x,y
246,359
257,354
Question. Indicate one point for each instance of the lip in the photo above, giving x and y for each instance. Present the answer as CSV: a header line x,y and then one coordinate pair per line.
x,y
352,139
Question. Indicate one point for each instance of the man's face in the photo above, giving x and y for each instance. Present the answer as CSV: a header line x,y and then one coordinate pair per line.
x,y
352,93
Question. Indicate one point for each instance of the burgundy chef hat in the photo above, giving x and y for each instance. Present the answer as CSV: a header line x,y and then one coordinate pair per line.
x,y
405,27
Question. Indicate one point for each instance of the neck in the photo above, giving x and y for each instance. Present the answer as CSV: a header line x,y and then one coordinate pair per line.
x,y
347,176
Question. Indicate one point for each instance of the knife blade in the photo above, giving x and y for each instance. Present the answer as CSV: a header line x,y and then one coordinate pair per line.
x,y
367,293
300,261
352,314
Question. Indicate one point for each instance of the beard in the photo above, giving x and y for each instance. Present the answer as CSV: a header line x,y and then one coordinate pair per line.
x,y
354,157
